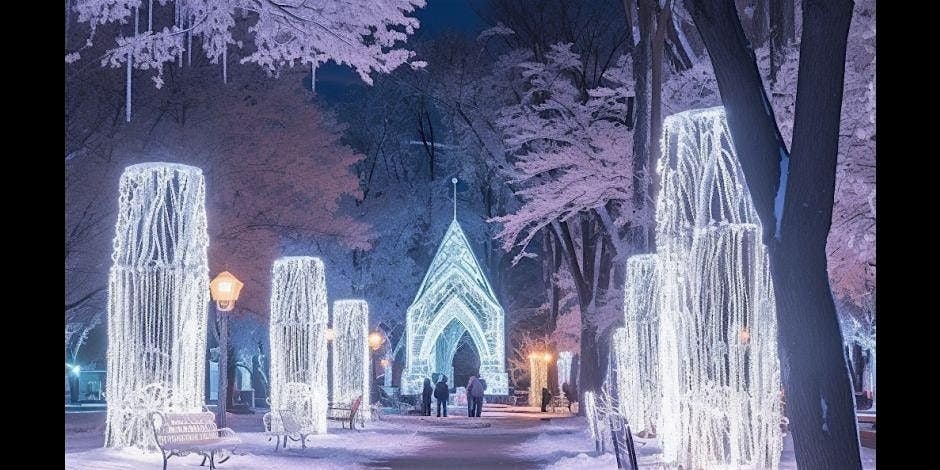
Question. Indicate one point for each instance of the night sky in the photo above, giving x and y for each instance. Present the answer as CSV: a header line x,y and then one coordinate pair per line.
x,y
437,17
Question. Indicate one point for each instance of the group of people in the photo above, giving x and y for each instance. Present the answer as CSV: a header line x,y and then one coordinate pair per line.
x,y
441,393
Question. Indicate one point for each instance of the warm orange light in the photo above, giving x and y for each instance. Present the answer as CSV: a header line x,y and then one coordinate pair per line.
x,y
384,362
375,340
548,357
744,336
330,334
225,289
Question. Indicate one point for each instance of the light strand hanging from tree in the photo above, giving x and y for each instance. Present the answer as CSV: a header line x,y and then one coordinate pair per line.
x,y
637,346
158,293
351,353
564,369
538,377
718,330
299,318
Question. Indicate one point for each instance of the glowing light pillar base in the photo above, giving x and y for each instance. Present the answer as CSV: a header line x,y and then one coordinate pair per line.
x,y
351,353
636,345
157,300
538,378
718,331
299,318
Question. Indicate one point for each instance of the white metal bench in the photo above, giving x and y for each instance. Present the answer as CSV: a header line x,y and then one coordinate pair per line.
x,y
184,433
292,419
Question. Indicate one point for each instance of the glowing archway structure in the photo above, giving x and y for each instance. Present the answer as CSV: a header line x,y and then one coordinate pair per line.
x,y
454,298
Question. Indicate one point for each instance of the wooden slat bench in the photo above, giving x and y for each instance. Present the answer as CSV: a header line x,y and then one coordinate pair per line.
x,y
180,434
866,435
344,413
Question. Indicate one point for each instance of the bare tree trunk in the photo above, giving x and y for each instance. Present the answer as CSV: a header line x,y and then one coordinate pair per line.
x,y
664,20
641,129
819,389
781,33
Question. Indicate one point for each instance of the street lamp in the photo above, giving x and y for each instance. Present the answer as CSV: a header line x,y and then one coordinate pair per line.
x,y
224,289
375,340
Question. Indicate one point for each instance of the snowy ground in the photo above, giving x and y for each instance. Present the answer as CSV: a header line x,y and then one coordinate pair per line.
x,y
519,437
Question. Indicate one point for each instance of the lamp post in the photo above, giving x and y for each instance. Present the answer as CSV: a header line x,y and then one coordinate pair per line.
x,y
224,289
375,342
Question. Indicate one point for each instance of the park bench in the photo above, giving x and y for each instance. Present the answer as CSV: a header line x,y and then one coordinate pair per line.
x,y
867,436
344,413
559,401
291,420
180,434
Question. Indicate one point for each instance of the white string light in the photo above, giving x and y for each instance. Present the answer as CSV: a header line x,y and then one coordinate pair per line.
x,y
538,377
299,318
351,353
454,298
637,345
158,294
564,368
717,330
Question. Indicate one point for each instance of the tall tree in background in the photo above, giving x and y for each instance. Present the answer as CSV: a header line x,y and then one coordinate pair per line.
x,y
793,195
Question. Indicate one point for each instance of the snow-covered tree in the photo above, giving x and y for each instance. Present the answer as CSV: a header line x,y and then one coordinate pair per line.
x,y
363,34
572,153
274,166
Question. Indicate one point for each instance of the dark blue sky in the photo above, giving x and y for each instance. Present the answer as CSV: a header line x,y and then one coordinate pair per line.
x,y
437,17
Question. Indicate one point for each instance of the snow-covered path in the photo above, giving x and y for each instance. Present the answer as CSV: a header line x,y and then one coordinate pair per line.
x,y
505,438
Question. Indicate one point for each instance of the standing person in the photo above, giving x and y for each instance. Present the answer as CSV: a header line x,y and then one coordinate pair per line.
x,y
568,395
442,393
546,399
470,385
426,397
475,396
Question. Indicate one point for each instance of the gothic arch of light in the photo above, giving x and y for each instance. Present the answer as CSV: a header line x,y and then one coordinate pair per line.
x,y
454,297
456,311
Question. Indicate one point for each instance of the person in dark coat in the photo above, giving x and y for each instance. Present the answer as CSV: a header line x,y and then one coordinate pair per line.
x,y
546,399
442,393
426,397
470,384
568,395
475,396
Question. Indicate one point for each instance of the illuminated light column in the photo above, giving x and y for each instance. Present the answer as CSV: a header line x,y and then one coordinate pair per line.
x,y
299,318
158,297
564,368
717,330
351,353
538,376
636,345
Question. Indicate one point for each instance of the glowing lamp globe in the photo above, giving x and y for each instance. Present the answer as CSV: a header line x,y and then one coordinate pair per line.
x,y
375,340
548,357
225,289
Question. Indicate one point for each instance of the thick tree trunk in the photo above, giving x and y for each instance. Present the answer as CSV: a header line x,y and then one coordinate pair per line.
x,y
818,392
641,129
588,373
